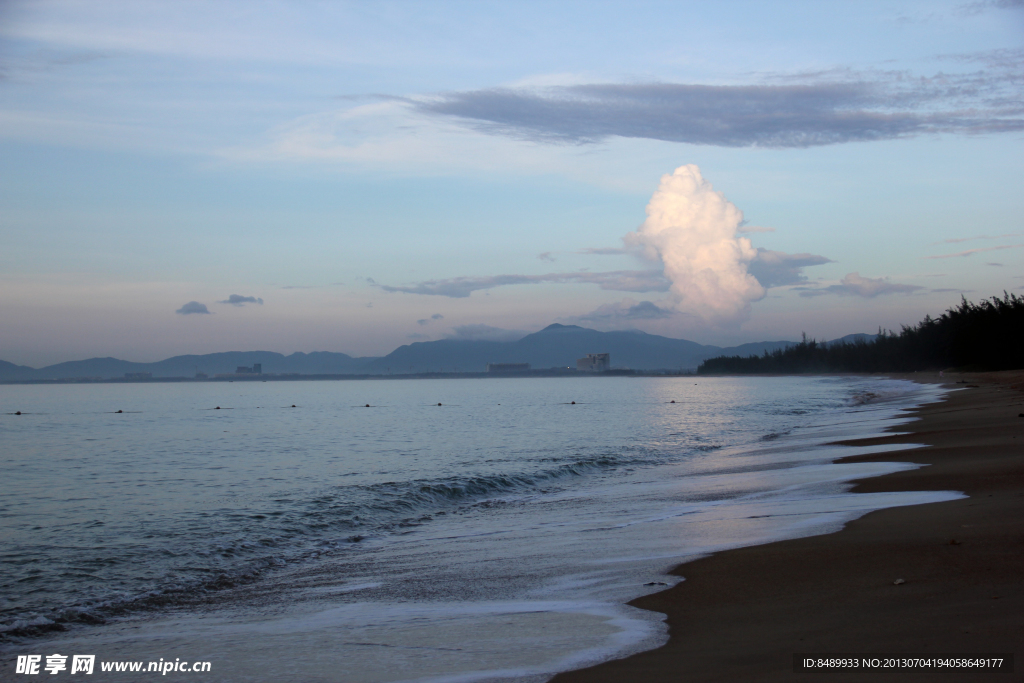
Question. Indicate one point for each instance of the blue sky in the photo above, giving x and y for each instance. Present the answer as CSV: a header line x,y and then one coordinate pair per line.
x,y
380,173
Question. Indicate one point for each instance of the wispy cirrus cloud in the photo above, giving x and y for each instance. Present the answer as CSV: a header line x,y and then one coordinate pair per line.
x,y
971,252
627,310
856,285
770,268
603,251
461,287
957,240
805,110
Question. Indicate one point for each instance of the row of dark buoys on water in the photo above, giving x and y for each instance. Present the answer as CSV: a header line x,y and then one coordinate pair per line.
x,y
572,403
219,408
368,405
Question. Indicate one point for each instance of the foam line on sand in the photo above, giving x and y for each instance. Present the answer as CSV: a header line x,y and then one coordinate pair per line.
x,y
740,615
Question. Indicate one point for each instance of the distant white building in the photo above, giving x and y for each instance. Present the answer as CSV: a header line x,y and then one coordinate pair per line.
x,y
594,362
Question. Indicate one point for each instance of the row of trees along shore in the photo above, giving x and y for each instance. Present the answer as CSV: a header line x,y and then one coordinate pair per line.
x,y
971,337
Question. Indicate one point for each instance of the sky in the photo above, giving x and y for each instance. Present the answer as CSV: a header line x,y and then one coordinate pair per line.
x,y
193,177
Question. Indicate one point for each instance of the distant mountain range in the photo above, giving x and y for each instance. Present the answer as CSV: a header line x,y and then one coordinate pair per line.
x,y
319,363
554,346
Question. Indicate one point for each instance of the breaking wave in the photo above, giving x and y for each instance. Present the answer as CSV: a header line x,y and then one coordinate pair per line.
x,y
321,526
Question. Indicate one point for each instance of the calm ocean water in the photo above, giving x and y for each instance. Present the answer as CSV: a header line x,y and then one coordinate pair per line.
x,y
295,534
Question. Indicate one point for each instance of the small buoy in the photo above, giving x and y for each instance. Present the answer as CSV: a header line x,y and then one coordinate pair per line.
x,y
293,405
18,412
120,411
367,405
573,403
439,404
217,408
672,401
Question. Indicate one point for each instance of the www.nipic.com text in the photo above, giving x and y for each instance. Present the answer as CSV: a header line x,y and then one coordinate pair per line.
x,y
56,663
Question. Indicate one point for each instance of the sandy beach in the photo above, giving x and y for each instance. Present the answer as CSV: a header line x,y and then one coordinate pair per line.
x,y
939,578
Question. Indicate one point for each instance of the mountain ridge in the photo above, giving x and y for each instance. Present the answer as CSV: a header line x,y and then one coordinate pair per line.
x,y
556,345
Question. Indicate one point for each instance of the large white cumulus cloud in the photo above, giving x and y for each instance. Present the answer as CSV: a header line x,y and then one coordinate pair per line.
x,y
692,229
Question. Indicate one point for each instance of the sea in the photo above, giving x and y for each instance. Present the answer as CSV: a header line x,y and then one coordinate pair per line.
x,y
403,530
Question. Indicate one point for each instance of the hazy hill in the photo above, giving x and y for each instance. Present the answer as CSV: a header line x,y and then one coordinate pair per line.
x,y
12,371
554,346
559,346
318,363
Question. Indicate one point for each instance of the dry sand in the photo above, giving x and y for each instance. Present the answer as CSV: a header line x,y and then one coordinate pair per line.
x,y
741,615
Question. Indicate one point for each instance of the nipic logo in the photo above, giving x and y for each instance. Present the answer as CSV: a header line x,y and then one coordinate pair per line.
x,y
30,664
33,665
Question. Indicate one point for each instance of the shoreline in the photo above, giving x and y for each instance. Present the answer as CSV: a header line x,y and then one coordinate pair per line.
x,y
741,615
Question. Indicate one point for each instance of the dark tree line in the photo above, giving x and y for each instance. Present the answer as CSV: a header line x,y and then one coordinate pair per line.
x,y
988,335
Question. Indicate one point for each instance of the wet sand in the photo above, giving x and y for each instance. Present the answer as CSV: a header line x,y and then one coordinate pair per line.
x,y
741,615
